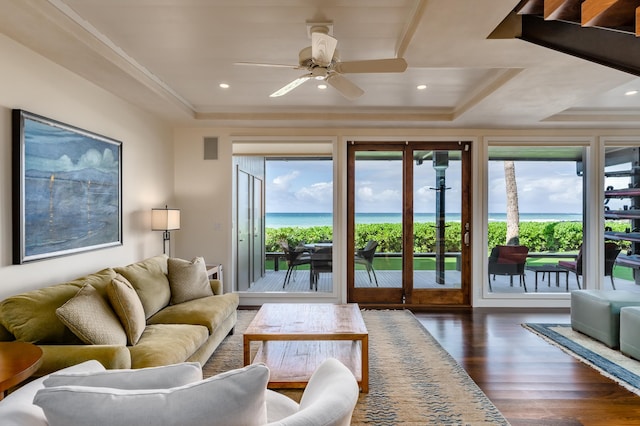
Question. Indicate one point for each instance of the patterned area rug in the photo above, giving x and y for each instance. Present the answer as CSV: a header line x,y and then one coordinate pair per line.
x,y
413,380
609,362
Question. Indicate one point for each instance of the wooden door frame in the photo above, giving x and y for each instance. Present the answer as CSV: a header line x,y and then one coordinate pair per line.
x,y
406,296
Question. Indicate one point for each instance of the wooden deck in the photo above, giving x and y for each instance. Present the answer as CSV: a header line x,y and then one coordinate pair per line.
x,y
273,281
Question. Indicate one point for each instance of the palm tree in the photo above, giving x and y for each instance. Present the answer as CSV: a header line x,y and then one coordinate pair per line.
x,y
513,214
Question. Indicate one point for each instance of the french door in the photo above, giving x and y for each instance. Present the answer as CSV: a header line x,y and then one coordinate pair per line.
x,y
412,200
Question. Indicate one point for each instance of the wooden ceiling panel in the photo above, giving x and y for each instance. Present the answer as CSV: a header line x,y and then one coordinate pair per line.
x,y
563,10
609,13
530,7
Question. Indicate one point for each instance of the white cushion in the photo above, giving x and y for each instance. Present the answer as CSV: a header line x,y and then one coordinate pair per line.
x,y
236,397
188,280
17,408
163,377
279,406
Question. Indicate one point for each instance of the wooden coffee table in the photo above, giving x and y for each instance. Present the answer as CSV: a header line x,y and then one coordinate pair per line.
x,y
296,337
18,361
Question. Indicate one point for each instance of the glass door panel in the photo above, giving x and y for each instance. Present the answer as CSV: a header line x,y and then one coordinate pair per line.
x,y
378,219
375,269
437,205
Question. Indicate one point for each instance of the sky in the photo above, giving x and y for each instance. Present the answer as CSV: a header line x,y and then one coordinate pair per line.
x,y
307,186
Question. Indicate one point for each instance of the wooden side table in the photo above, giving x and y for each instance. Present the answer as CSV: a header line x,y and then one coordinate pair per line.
x,y
18,361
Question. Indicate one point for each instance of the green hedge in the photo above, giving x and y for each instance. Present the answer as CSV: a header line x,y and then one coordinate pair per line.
x,y
538,236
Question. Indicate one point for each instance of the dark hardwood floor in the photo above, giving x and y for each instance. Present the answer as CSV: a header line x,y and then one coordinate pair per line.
x,y
530,381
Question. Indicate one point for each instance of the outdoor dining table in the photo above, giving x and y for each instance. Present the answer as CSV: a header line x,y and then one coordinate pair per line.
x,y
549,268
315,246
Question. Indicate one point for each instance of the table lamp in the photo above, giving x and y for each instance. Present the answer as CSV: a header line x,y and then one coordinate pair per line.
x,y
165,220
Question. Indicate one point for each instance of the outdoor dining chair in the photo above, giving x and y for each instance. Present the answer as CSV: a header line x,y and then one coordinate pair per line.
x,y
611,251
365,257
295,257
508,260
321,261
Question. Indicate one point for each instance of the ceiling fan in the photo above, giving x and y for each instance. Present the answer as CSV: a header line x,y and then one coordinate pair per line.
x,y
322,63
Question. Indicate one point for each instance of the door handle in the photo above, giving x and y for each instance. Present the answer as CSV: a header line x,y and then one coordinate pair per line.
x,y
466,234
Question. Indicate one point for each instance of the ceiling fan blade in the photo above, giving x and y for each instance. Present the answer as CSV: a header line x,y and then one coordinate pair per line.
x,y
371,66
260,64
343,85
289,87
323,46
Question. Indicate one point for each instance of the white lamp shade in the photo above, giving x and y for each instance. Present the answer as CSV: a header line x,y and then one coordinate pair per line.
x,y
165,219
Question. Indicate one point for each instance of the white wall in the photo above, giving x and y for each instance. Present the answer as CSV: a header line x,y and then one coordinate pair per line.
x,y
203,195
30,82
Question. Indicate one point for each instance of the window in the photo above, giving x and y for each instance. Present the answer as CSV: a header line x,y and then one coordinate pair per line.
x,y
535,207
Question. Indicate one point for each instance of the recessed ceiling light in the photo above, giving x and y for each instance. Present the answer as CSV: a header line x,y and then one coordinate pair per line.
x,y
631,92
322,86
421,86
224,86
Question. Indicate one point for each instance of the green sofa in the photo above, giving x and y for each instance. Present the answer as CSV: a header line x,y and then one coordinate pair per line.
x,y
171,332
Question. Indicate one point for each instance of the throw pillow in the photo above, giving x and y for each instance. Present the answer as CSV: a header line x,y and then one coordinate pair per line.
x,y
149,278
91,318
163,377
128,307
188,279
236,397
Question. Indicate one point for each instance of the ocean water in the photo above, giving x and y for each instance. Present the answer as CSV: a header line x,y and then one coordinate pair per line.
x,y
280,220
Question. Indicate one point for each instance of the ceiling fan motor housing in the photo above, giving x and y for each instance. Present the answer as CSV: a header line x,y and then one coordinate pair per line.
x,y
305,58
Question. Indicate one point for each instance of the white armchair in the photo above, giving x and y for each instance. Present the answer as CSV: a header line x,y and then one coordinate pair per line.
x,y
329,398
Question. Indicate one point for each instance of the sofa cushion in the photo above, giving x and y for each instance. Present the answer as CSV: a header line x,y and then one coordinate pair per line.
x,y
57,357
128,307
208,311
91,318
163,344
165,376
236,397
149,279
188,280
31,316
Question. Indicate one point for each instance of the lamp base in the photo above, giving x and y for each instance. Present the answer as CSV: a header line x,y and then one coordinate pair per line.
x,y
166,236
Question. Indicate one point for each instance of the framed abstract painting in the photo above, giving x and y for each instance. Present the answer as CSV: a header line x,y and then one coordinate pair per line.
x,y
67,189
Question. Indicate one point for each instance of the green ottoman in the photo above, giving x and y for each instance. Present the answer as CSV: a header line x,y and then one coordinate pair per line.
x,y
630,331
596,313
